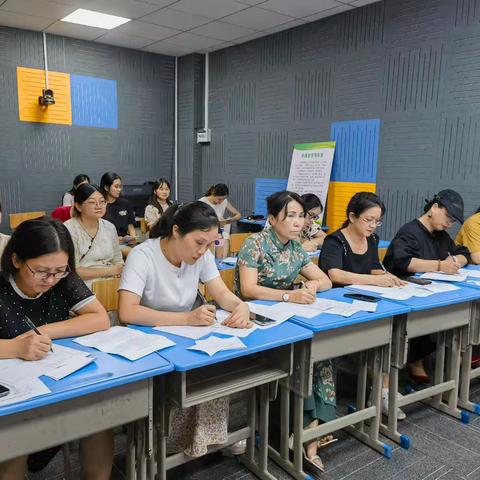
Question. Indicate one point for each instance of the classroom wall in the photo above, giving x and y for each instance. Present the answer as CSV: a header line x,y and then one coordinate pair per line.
x,y
38,161
413,64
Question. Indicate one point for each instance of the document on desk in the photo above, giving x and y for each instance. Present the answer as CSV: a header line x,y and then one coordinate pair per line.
x,y
126,342
469,273
58,364
21,390
229,260
365,306
280,312
444,277
214,344
440,287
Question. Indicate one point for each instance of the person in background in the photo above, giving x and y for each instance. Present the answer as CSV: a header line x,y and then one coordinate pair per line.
x,y
350,255
119,211
268,264
312,234
159,202
216,197
38,280
97,252
423,245
159,287
67,200
3,238
469,236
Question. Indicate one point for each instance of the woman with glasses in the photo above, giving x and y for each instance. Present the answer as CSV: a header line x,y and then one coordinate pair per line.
x,y
97,252
423,245
38,281
312,235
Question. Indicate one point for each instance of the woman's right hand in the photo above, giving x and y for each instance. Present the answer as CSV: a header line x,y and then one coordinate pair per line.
x,y
302,295
309,246
449,266
387,280
202,316
116,269
31,346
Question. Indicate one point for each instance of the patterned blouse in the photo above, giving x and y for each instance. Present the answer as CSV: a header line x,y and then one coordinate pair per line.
x,y
278,265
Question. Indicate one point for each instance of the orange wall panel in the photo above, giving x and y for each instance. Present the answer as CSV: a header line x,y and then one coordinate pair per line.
x,y
339,194
31,82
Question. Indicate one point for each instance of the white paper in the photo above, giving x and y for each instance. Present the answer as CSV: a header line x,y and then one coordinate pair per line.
x,y
188,331
444,277
213,345
229,260
440,287
280,312
126,342
22,390
470,273
365,306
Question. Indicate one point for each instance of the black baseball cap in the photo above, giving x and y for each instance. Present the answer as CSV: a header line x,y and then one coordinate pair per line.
x,y
453,202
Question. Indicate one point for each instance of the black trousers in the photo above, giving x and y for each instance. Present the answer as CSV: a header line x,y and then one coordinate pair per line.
x,y
420,347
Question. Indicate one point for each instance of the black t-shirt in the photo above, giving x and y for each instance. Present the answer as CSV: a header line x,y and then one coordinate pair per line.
x,y
337,253
120,213
413,240
70,293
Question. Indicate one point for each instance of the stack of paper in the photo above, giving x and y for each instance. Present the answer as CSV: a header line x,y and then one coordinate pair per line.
x,y
444,277
229,260
214,344
469,273
196,332
126,342
21,390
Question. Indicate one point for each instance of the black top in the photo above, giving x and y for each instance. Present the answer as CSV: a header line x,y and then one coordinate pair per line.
x,y
120,213
337,253
70,293
413,240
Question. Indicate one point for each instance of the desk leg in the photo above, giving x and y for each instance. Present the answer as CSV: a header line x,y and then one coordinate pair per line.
x,y
131,467
467,374
284,421
439,367
161,414
361,386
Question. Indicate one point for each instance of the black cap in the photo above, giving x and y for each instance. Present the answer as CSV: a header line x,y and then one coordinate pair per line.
x,y
453,202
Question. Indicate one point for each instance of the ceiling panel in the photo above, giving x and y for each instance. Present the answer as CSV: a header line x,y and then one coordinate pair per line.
x,y
166,48
121,39
27,22
257,18
176,19
195,42
222,31
75,31
147,30
38,8
328,13
122,8
210,8
299,8
286,26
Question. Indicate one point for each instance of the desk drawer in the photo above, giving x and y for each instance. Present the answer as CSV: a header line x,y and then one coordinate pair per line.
x,y
200,385
438,319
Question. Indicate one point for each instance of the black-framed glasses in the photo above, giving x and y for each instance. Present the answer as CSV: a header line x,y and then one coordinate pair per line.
x,y
312,216
372,221
45,275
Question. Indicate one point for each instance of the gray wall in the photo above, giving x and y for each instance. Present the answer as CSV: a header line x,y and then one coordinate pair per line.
x,y
412,63
38,161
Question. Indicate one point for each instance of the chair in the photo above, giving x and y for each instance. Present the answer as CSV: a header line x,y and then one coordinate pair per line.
x,y
17,218
106,290
381,253
143,225
236,241
62,213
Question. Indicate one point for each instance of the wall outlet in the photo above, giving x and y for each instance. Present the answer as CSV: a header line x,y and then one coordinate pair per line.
x,y
204,136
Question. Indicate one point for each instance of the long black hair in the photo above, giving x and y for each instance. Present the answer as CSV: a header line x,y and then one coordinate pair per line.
x,y
82,193
107,181
154,200
360,202
278,202
34,238
77,181
310,201
188,217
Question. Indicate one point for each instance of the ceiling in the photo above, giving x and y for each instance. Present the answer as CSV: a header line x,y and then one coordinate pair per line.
x,y
173,27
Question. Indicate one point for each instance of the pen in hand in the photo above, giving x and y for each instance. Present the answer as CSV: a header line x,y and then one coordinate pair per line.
x,y
454,260
32,326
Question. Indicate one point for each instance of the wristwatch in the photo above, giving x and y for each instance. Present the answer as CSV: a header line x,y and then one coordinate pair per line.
x,y
285,297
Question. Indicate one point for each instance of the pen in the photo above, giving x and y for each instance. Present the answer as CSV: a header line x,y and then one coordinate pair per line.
x,y
454,260
201,297
32,326
383,267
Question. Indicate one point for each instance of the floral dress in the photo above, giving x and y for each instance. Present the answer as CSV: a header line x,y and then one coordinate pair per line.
x,y
278,265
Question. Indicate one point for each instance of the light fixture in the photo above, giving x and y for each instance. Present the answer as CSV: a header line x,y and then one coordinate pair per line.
x,y
95,19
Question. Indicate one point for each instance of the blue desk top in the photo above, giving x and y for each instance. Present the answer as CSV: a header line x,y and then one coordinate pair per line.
x,y
384,243
258,341
106,372
326,321
468,283
416,304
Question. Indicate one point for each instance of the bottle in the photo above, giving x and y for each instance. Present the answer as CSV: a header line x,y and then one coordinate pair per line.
x,y
219,243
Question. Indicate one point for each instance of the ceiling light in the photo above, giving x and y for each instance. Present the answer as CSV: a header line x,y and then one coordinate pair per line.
x,y
95,19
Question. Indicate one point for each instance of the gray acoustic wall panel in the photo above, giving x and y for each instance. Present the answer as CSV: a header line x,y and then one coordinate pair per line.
x,y
38,161
414,64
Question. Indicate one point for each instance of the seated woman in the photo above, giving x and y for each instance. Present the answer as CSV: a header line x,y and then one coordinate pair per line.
x,y
469,236
159,202
159,287
312,235
350,255
38,280
97,252
268,264
423,245
217,197
119,211
67,200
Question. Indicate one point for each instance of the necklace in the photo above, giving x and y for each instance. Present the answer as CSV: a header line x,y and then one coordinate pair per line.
x,y
92,237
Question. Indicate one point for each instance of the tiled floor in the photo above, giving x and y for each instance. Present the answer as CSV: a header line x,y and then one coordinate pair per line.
x,y
442,448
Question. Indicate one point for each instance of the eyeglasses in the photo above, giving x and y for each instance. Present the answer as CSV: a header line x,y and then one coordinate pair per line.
x,y
451,220
372,221
46,275
313,216
100,203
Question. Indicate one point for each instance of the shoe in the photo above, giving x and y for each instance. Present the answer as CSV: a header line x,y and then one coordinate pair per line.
x,y
475,361
421,378
400,413
326,440
238,448
315,462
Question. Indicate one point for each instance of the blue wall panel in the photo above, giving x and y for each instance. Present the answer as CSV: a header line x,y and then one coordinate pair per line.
x,y
265,187
356,151
94,102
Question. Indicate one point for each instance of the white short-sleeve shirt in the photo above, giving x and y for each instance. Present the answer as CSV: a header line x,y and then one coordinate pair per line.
x,y
161,285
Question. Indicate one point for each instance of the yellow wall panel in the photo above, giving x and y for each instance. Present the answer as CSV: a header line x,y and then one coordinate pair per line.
x,y
31,82
339,194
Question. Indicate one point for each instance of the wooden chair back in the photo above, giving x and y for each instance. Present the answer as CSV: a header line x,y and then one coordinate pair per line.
x,y
17,218
236,241
106,290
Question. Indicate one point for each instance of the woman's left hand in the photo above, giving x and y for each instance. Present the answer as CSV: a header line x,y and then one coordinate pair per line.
x,y
309,246
239,318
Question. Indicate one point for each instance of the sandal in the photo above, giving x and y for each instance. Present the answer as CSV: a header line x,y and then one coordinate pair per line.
x,y
326,440
315,461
